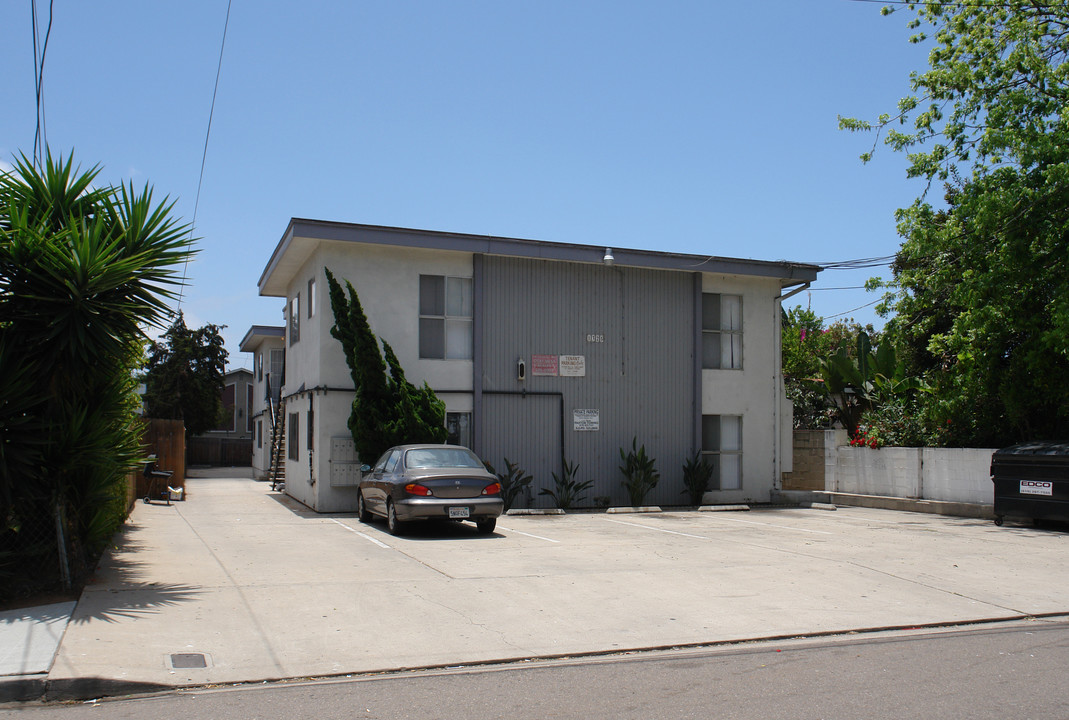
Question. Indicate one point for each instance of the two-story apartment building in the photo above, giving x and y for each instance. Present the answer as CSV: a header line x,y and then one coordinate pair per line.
x,y
543,353
267,345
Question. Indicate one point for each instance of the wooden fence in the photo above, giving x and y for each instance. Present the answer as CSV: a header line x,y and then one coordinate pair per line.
x,y
166,439
219,452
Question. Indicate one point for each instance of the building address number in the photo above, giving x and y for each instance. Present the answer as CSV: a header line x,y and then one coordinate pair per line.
x,y
595,337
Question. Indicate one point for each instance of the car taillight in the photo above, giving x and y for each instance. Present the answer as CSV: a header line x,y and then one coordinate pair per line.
x,y
492,489
417,489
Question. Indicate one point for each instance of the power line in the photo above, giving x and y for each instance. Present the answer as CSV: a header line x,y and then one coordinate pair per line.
x,y
40,137
204,155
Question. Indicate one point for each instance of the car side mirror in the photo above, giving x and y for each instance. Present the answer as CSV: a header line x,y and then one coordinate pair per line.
x,y
365,468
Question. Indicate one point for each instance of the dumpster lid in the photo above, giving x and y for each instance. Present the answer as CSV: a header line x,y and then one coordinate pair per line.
x,y
1051,449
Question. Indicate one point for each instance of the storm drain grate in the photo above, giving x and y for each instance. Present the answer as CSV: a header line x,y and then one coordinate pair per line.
x,y
185,661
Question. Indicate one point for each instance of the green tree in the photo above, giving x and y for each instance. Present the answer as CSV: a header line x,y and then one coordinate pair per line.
x,y
981,285
184,376
805,342
420,414
83,268
387,411
373,406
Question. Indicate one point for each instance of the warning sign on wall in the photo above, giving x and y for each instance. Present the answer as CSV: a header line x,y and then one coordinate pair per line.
x,y
586,420
544,365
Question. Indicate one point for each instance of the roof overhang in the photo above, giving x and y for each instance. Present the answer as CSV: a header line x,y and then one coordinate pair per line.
x,y
302,236
257,334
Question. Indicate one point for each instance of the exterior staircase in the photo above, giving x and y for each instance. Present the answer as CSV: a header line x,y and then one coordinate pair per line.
x,y
277,469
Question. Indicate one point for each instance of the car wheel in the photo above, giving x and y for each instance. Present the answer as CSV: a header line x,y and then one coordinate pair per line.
x,y
362,513
486,526
392,523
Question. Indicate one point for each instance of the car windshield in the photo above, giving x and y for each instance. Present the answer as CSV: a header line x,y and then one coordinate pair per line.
x,y
445,457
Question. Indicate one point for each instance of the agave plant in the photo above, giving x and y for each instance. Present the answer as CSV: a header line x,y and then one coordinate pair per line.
x,y
83,270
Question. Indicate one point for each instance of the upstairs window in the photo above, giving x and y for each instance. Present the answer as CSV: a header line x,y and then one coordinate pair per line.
x,y
721,331
295,318
445,328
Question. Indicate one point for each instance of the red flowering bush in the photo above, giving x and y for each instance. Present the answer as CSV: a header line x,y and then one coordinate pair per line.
x,y
865,437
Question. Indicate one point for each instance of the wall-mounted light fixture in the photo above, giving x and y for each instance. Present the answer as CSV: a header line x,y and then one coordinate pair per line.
x,y
608,259
521,369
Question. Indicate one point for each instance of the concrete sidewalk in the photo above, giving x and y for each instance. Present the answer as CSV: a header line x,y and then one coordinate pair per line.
x,y
240,584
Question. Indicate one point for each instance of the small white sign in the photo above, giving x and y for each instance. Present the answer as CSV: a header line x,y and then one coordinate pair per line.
x,y
1037,487
586,420
573,365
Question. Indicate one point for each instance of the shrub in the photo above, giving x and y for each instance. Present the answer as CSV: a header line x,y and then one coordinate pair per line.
x,y
568,490
640,476
696,475
512,482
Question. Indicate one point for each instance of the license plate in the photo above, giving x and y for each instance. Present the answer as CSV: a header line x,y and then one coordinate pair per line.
x,y
459,512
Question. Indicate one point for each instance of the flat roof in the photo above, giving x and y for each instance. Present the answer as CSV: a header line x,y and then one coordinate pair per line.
x,y
302,235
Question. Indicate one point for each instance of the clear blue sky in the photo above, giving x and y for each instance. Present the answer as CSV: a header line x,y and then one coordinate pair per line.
x,y
686,126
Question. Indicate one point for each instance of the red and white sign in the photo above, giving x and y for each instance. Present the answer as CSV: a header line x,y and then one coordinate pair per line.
x,y
1037,487
544,365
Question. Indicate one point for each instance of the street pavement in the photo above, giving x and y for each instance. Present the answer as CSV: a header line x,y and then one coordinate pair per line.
x,y
241,584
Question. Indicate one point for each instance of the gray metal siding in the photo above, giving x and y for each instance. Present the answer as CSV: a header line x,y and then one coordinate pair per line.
x,y
641,379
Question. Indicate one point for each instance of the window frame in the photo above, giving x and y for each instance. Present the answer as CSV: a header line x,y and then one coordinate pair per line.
x,y
441,312
295,319
716,455
293,449
714,327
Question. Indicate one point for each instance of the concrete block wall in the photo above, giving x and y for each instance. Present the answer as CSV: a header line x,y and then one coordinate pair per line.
x,y
808,469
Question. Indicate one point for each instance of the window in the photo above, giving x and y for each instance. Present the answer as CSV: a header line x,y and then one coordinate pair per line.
x,y
444,317
294,436
227,424
721,331
259,434
248,408
312,297
458,425
311,429
259,366
295,318
722,448
278,358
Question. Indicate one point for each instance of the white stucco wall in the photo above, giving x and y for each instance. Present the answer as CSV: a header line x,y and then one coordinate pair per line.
x,y
753,391
941,474
387,281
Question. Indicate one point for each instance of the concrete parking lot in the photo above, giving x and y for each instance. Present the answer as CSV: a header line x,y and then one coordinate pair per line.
x,y
238,583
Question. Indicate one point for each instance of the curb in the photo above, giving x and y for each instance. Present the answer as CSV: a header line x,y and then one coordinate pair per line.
x,y
22,688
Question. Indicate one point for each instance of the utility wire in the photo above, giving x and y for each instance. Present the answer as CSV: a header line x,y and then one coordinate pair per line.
x,y
204,155
40,136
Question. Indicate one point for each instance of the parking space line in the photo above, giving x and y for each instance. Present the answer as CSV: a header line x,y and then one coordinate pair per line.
x,y
366,537
782,527
670,532
518,532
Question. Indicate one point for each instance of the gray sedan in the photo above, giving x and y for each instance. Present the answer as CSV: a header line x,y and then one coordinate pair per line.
x,y
423,482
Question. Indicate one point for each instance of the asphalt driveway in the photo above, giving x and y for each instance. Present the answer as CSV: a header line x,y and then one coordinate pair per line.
x,y
239,583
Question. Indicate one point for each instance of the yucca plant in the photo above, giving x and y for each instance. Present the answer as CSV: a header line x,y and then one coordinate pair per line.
x,y
83,270
640,475
567,490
